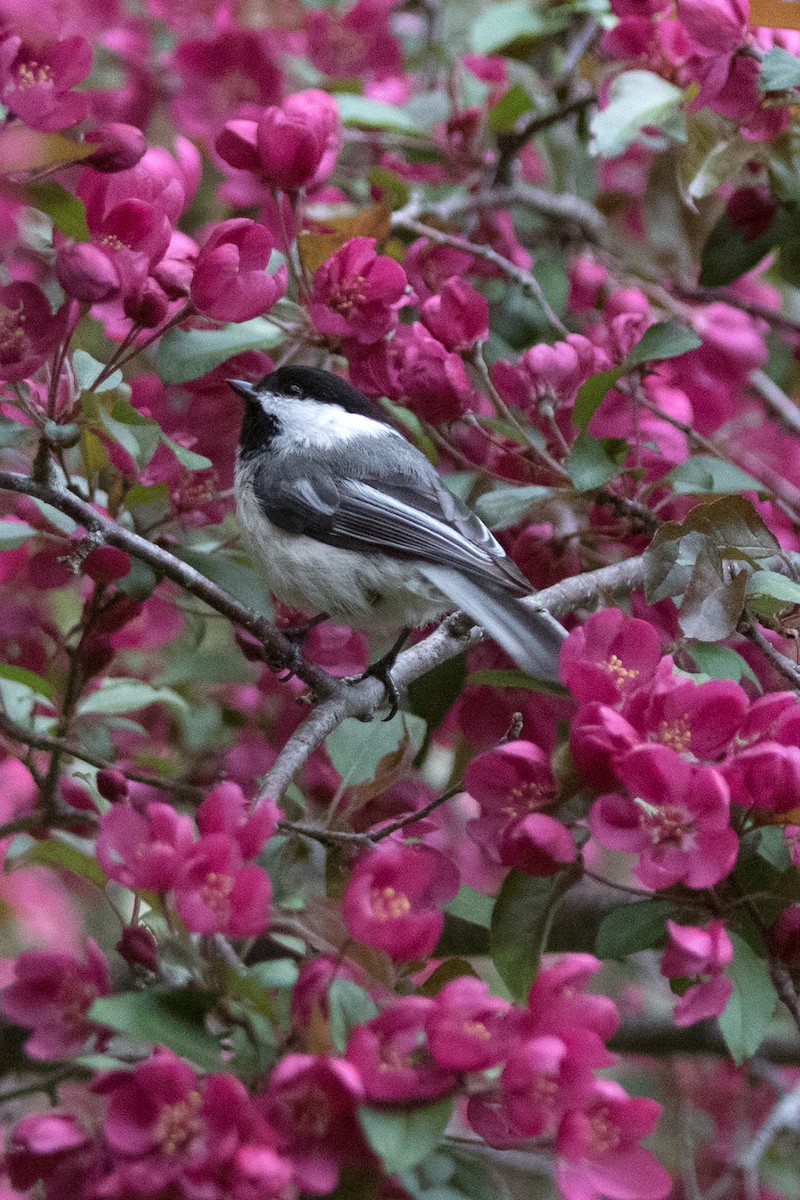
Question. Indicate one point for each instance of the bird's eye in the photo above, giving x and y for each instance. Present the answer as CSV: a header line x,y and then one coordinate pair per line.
x,y
295,390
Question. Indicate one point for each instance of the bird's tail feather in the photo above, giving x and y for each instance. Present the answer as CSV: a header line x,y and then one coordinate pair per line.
x,y
531,636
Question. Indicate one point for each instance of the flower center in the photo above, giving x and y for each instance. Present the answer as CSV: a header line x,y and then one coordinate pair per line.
x,y
12,328
620,673
668,825
310,1113
178,1124
544,1091
112,242
388,904
216,892
31,73
676,733
349,293
605,1133
476,1029
526,797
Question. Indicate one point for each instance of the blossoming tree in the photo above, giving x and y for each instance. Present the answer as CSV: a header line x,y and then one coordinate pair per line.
x,y
258,943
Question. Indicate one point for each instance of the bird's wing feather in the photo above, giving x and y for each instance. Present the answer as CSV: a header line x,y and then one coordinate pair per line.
x,y
401,516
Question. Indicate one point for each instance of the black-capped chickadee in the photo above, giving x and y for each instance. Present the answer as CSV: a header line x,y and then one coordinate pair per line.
x,y
350,520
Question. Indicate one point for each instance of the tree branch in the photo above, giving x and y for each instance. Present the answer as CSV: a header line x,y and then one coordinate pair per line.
x,y
281,653
453,636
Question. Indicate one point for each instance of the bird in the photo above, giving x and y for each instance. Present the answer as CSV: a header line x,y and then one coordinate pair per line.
x,y
351,522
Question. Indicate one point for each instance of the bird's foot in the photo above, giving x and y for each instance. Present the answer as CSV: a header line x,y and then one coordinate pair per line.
x,y
297,634
382,670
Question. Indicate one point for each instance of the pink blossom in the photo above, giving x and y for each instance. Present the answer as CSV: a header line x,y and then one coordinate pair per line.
x,y
599,1154
390,1052
394,896
697,719
36,81
599,737
587,281
429,266
765,776
29,331
718,25
105,564
509,783
457,316
609,656
51,994
691,953
310,1102
356,44
537,844
434,380
295,145
39,1144
154,1121
215,893
230,75
675,816
465,1028
559,1004
357,293
144,850
225,810
231,282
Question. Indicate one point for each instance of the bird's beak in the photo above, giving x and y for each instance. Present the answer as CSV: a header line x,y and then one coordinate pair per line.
x,y
242,388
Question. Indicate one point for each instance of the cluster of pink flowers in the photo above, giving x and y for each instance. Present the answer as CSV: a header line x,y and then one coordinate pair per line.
x,y
162,1126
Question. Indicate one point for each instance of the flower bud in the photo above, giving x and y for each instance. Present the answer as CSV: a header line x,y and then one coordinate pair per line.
x,y
119,147
112,784
138,947
105,564
86,272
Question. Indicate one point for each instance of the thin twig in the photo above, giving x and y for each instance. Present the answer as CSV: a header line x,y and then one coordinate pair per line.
x,y
527,281
780,662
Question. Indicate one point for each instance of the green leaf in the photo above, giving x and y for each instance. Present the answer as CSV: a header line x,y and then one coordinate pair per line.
x,y
87,368
774,586
748,1013
665,339
512,677
161,1019
702,474
187,458
721,662
63,856
232,572
780,71
471,906
355,751
15,533
185,354
402,1138
28,679
121,695
592,392
632,927
348,1006
593,461
506,506
275,973
712,605
521,923
66,211
728,254
637,99
503,116
375,114
432,695
501,25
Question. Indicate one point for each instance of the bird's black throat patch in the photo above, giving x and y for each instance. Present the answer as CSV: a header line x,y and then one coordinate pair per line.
x,y
259,428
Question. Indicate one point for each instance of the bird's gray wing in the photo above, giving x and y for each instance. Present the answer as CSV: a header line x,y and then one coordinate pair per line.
x,y
403,516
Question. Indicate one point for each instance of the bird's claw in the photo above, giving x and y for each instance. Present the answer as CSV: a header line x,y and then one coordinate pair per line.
x,y
382,671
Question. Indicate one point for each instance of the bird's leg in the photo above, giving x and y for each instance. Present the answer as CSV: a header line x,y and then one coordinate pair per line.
x,y
382,670
297,634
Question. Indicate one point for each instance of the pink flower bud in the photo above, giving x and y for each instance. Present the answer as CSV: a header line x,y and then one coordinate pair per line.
x,y
104,564
148,305
290,150
138,947
112,785
86,272
587,279
119,147
76,795
237,145
231,282
458,316
751,209
537,844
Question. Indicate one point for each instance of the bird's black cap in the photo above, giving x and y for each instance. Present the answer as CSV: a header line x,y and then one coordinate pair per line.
x,y
311,383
